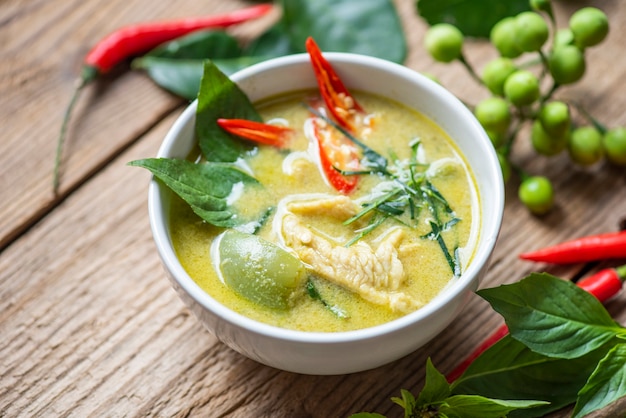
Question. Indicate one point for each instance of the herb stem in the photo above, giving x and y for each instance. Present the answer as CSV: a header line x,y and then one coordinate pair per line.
x,y
316,295
372,206
470,70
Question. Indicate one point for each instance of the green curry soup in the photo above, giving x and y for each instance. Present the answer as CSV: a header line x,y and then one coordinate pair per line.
x,y
401,264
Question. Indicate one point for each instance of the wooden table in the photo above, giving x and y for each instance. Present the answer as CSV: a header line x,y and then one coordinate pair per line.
x,y
89,324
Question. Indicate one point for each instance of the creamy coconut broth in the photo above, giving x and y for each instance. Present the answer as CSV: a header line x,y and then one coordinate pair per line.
x,y
388,272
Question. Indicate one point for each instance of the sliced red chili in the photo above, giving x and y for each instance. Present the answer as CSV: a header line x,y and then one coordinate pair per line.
x,y
590,248
340,103
604,285
336,154
262,133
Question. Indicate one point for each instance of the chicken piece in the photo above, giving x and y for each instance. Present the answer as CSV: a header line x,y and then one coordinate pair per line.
x,y
338,207
376,275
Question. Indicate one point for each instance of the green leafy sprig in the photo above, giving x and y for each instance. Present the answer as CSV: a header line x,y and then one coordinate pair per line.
x,y
563,349
315,294
436,400
207,185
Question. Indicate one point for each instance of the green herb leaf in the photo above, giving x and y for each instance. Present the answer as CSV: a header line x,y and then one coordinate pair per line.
x,y
179,77
316,295
205,187
472,406
177,66
199,45
436,387
406,401
369,27
230,66
453,261
472,17
606,385
510,370
436,397
182,76
219,97
275,42
373,224
553,317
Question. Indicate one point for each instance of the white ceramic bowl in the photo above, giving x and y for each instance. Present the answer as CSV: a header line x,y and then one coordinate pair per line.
x,y
353,351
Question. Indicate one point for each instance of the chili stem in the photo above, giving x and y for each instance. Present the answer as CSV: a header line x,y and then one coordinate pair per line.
x,y
87,76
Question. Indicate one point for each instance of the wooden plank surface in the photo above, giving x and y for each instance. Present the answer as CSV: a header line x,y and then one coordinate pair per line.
x,y
89,323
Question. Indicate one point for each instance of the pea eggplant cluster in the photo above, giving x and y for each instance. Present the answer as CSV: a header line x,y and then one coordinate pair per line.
x,y
533,53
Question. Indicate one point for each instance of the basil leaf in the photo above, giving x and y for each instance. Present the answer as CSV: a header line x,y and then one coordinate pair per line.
x,y
199,45
182,76
406,401
219,97
230,66
553,317
205,187
275,42
472,406
510,370
606,385
472,17
177,66
436,387
178,76
436,395
369,27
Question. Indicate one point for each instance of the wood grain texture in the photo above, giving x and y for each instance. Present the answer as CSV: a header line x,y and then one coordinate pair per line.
x,y
90,325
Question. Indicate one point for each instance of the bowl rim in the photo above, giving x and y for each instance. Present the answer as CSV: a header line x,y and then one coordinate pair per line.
x,y
489,230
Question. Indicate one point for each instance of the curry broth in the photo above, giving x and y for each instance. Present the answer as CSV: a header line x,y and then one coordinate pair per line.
x,y
394,126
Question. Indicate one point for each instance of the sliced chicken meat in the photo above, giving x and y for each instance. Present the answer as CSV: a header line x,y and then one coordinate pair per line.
x,y
376,274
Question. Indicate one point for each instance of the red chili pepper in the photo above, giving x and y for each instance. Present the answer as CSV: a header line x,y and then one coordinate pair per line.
x,y
603,285
259,132
581,250
132,40
136,39
488,342
340,103
336,153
